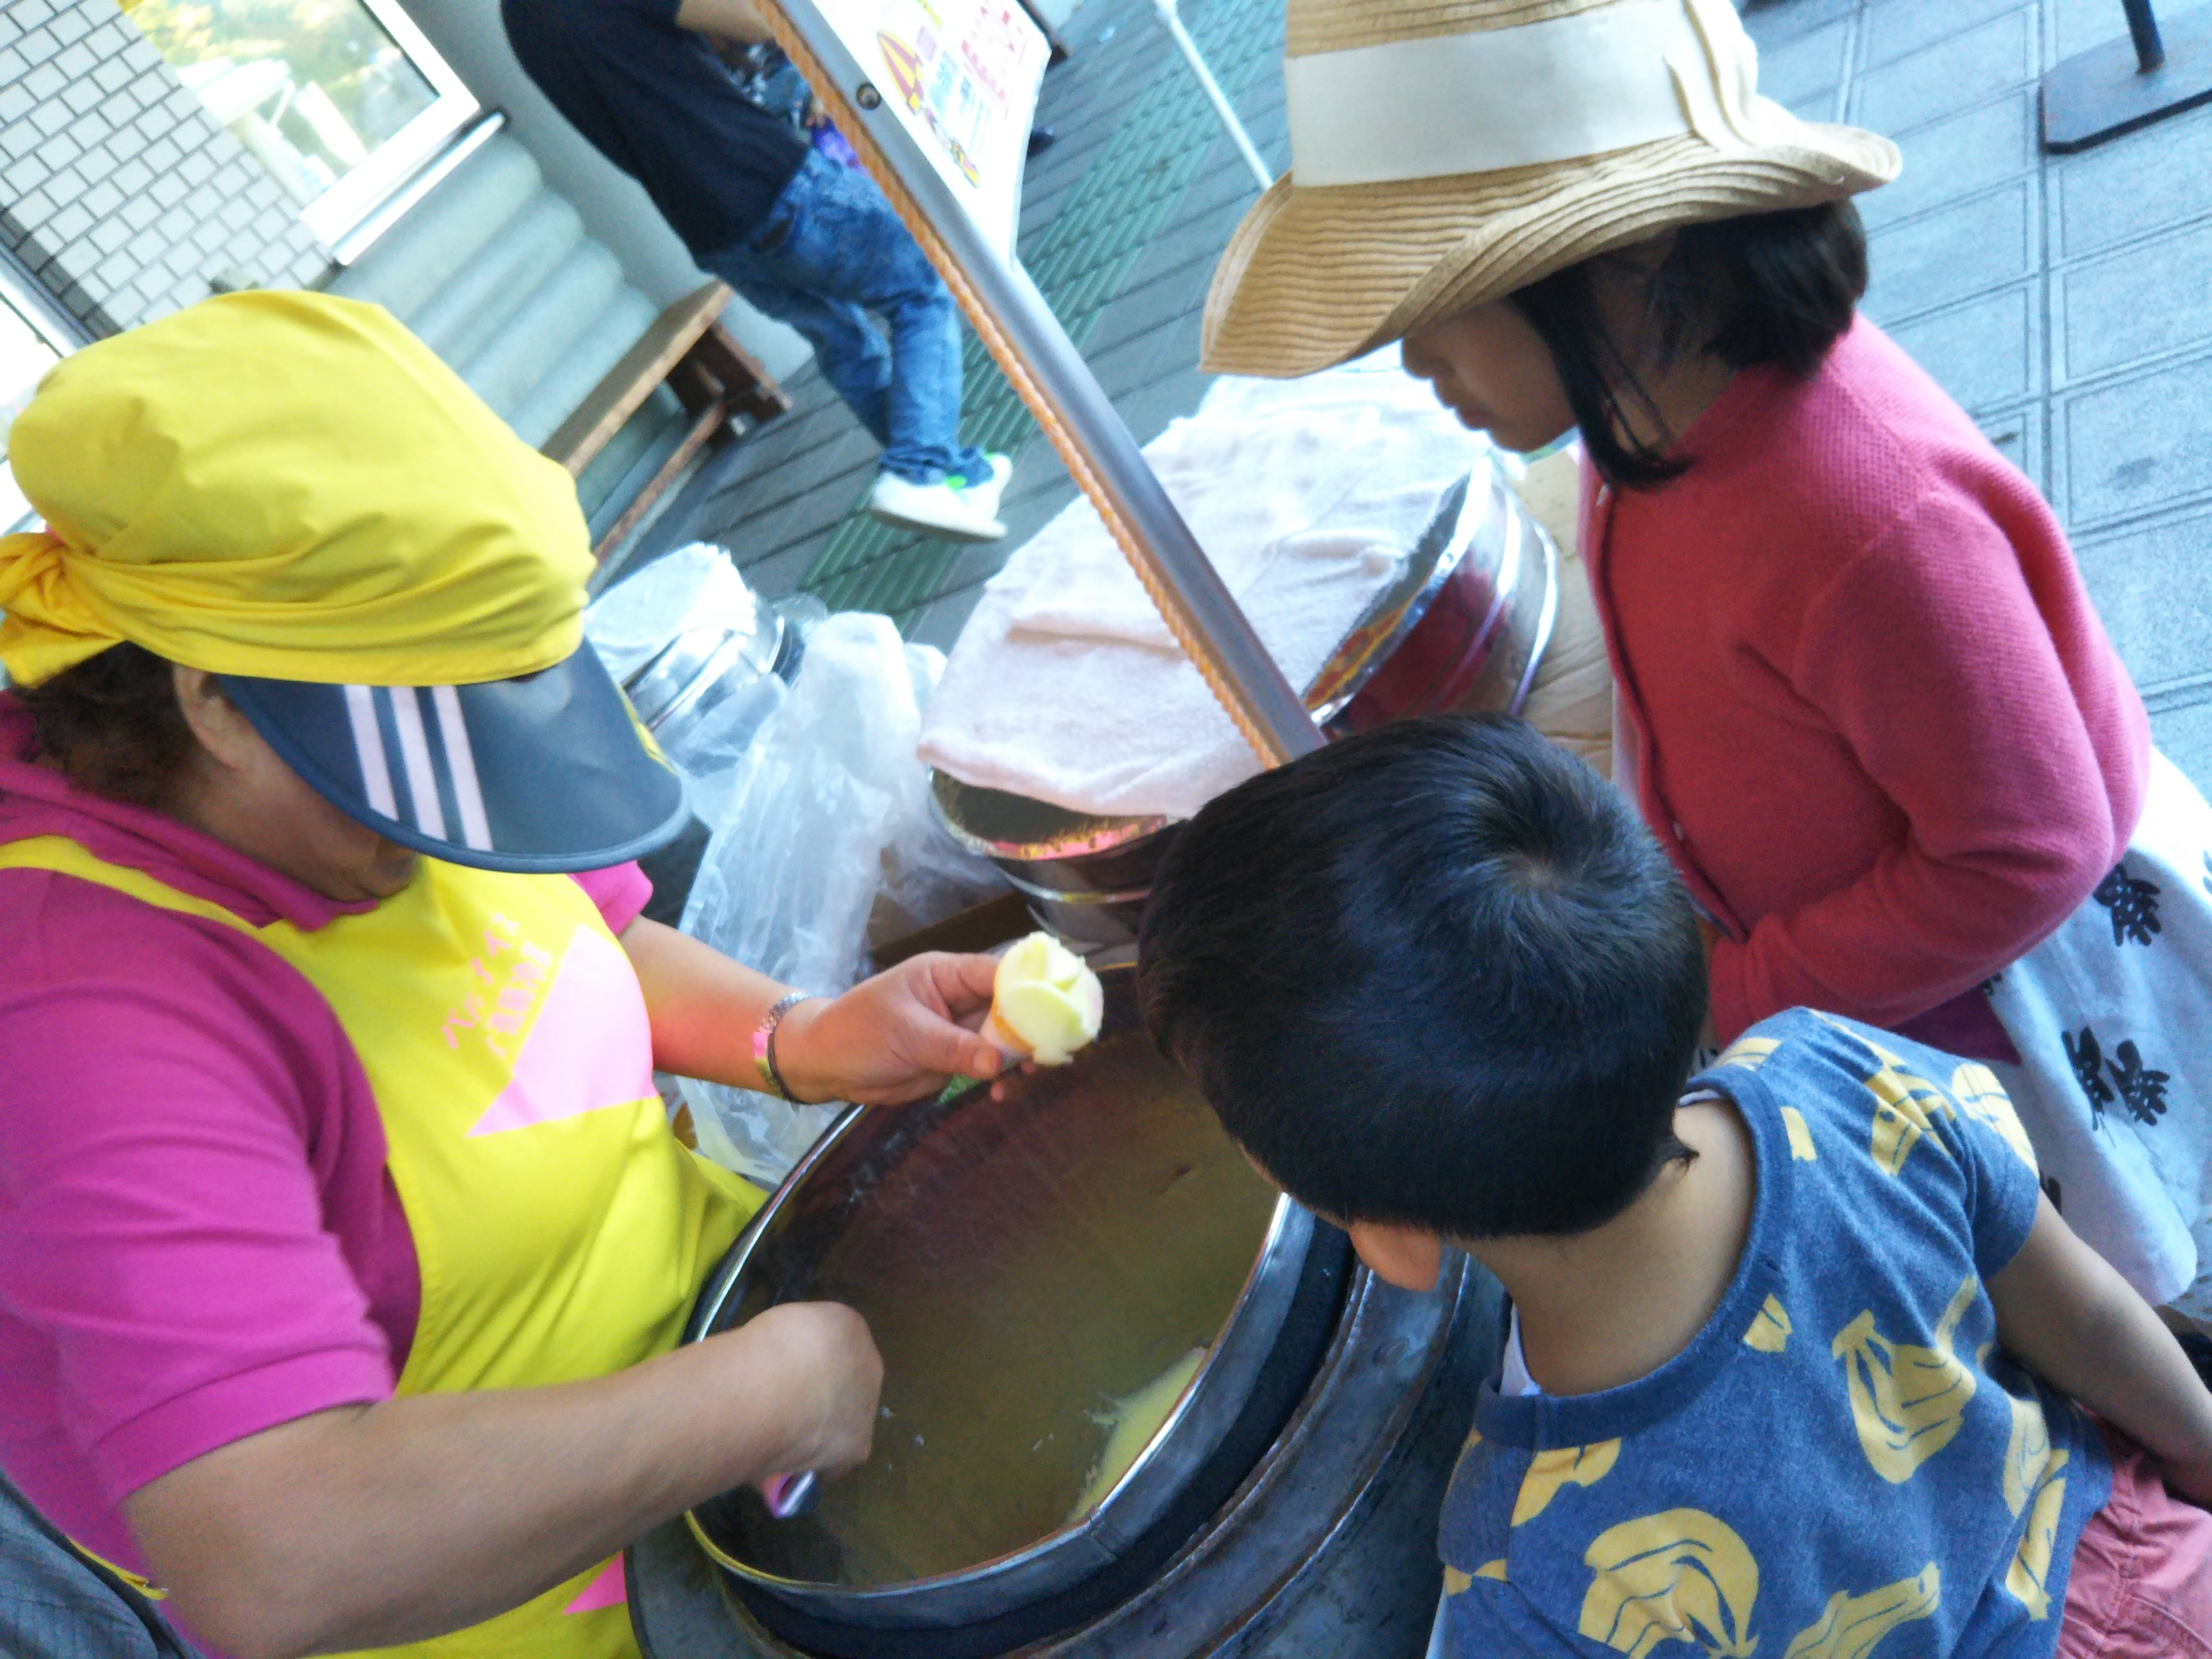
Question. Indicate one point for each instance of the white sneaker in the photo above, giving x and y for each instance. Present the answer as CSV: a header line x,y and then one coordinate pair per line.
x,y
943,508
986,494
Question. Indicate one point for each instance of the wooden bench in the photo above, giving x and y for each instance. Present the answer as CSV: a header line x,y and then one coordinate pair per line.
x,y
715,378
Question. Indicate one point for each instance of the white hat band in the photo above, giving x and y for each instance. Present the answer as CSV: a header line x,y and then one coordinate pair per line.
x,y
1567,87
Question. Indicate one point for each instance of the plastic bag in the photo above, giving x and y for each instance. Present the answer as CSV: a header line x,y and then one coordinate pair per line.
x,y
926,875
828,799
711,754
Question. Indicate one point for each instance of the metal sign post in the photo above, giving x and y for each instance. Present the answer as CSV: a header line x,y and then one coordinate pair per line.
x,y
1171,20
914,123
2128,83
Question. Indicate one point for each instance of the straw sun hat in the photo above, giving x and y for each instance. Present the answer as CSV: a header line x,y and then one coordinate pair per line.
x,y
1447,152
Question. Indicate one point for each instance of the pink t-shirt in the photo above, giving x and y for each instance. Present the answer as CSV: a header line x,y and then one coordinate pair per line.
x,y
1873,716
199,1237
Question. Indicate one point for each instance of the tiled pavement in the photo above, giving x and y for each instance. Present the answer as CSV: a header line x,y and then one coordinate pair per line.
x,y
2066,301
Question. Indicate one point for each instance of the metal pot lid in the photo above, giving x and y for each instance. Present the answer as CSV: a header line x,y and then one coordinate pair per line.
x,y
1028,1266
1002,825
1008,827
667,688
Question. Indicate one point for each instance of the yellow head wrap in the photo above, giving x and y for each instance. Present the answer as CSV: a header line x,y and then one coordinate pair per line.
x,y
289,486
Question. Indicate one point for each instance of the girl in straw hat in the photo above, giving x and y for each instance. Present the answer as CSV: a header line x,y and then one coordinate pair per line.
x,y
1862,697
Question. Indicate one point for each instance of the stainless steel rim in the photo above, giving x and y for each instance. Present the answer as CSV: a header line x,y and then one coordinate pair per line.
x,y
1460,541
1113,833
1140,1498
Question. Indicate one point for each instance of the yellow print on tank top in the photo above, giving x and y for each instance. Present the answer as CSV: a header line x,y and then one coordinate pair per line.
x,y
1679,1575
1906,1400
1981,1097
1852,1626
2032,1482
1769,1329
1905,1107
2027,1452
1748,1052
1563,1465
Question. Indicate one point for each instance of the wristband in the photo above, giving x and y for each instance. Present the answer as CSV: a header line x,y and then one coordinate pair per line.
x,y
764,1044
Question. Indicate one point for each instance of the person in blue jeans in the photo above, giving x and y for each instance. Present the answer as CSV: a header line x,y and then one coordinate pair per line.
x,y
807,240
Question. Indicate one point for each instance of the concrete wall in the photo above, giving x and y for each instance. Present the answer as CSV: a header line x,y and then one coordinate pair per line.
x,y
615,209
116,189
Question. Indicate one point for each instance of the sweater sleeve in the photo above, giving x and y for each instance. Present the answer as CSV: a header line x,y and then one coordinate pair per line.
x,y
1929,656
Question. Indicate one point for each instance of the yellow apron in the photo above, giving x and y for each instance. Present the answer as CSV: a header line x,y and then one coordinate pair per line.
x,y
561,1230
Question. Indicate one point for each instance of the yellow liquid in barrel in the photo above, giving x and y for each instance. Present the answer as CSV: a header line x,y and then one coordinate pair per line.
x,y
1024,1268
1130,1427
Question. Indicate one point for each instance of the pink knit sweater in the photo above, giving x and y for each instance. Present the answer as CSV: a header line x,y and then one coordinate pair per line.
x,y
1873,718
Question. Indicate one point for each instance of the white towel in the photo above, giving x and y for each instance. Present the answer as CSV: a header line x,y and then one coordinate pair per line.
x,y
1307,496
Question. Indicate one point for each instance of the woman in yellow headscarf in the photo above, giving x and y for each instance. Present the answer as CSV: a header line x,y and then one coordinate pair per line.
x,y
343,1244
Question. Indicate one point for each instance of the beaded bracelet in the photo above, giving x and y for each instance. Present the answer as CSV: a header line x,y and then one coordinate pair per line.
x,y
764,1044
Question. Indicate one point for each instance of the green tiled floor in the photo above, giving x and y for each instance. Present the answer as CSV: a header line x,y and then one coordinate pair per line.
x,y
1122,221
1080,264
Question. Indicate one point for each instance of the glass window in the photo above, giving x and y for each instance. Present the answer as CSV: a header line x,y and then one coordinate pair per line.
x,y
26,353
341,100
34,336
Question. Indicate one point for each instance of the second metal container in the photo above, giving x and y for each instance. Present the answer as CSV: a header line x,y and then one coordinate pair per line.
x,y
1464,627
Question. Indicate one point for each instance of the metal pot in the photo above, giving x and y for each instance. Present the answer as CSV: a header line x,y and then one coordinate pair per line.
x,y
704,662
702,668
1463,628
1024,1264
1326,1546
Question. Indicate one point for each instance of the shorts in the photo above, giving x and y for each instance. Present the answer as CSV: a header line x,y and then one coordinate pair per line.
x,y
2141,1587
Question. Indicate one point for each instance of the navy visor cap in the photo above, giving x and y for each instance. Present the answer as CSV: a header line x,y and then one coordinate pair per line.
x,y
545,773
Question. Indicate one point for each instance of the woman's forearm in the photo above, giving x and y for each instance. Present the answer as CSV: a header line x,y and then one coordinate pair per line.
x,y
704,1007
897,1036
2125,1365
373,1525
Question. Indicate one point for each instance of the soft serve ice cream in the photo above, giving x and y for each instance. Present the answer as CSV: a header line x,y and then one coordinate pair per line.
x,y
1045,1002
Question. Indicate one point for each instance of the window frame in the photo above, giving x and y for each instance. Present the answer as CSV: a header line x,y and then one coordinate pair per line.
x,y
22,293
392,164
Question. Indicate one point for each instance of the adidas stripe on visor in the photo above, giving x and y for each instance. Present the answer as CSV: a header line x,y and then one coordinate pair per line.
x,y
547,772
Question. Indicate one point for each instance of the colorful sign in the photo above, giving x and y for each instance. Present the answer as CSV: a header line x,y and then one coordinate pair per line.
x,y
963,77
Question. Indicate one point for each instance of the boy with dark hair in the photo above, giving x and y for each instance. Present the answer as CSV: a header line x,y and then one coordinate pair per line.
x,y
1792,1340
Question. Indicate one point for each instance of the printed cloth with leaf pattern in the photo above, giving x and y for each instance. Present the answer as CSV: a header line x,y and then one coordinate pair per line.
x,y
1843,1452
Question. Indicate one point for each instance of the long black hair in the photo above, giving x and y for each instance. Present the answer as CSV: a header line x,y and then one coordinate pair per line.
x,y
1782,286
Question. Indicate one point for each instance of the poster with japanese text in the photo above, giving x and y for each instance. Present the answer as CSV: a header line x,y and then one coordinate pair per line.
x,y
963,77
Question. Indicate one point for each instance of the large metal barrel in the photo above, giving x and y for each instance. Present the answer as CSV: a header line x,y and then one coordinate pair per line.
x,y
1327,1547
1033,1266
1464,627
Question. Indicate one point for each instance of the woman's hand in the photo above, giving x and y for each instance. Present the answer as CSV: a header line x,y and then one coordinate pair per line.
x,y
898,1037
817,1370
371,1526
